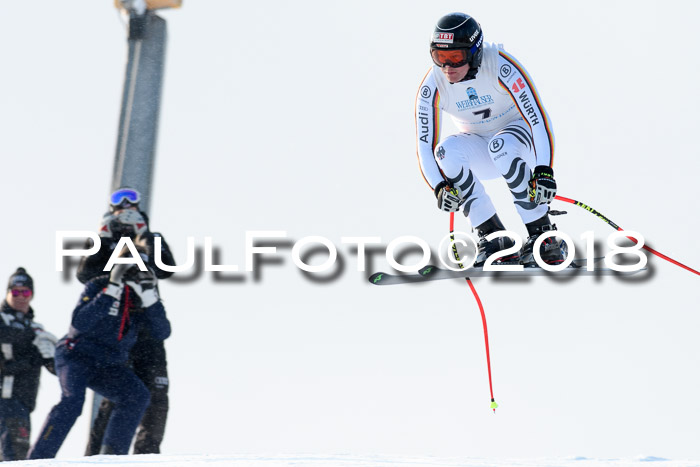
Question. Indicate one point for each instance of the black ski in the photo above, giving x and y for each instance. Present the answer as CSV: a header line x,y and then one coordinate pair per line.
x,y
433,273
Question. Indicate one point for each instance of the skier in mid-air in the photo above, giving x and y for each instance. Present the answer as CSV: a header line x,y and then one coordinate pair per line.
x,y
504,131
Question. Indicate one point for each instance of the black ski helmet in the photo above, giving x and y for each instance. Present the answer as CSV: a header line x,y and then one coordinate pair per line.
x,y
460,31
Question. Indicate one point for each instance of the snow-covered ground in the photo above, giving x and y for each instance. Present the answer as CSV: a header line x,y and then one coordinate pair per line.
x,y
354,461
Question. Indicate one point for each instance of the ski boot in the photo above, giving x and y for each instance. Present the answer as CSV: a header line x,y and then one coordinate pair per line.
x,y
553,250
486,248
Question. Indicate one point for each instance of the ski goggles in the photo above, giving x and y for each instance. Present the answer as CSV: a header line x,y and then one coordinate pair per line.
x,y
25,292
450,57
125,194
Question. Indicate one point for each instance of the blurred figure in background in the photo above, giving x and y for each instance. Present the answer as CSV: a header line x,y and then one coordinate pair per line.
x,y
24,348
147,357
111,312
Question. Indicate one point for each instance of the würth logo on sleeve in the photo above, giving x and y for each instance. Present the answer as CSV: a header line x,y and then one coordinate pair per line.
x,y
529,110
444,37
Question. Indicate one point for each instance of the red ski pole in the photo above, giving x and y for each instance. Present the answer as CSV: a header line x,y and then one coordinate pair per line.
x,y
618,228
494,405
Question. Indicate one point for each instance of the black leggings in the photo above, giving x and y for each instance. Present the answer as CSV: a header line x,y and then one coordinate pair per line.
x,y
150,365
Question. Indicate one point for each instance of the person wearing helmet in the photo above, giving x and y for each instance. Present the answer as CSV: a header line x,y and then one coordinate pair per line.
x,y
24,348
148,357
504,131
124,219
111,312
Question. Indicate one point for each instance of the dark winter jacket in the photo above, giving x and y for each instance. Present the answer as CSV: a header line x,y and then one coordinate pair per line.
x,y
105,328
93,266
20,360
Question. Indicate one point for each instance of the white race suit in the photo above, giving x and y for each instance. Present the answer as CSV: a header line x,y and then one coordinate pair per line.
x,y
504,131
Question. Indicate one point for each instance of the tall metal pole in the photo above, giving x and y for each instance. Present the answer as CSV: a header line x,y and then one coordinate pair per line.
x,y
140,110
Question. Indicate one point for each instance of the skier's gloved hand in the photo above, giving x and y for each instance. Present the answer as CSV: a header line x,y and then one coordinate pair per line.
x,y
116,279
116,276
143,283
542,187
45,342
448,198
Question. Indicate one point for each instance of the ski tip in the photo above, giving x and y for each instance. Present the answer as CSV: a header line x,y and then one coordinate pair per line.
x,y
376,278
428,270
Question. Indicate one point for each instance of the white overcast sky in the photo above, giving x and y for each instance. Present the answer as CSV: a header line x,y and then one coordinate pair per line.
x,y
298,116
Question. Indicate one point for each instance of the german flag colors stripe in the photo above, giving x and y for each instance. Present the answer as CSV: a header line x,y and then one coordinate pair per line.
x,y
538,102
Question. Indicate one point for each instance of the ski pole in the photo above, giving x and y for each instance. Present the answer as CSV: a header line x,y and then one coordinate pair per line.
x,y
618,228
494,405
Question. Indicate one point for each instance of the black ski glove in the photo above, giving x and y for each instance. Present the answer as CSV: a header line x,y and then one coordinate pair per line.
x,y
448,198
143,283
116,279
543,188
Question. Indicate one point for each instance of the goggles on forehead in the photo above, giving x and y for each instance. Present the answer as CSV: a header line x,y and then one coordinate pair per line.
x,y
449,57
125,194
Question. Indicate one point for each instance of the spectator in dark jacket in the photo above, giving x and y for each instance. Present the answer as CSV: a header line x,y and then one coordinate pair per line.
x,y
148,357
104,327
24,348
